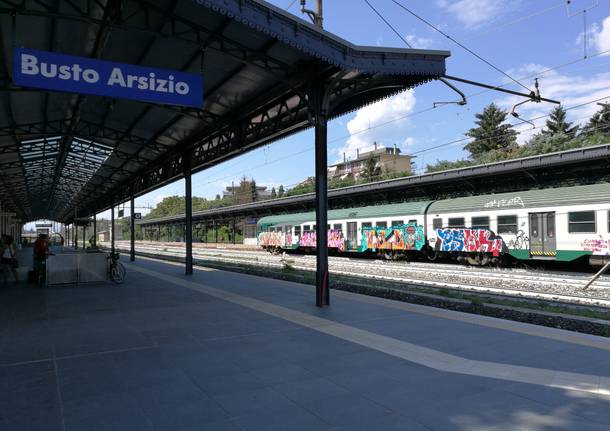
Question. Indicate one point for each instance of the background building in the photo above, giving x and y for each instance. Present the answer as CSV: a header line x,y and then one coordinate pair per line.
x,y
388,160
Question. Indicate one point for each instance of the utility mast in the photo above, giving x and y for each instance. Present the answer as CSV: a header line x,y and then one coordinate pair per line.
x,y
315,17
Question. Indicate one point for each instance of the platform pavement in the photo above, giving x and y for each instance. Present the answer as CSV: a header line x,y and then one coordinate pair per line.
x,y
225,351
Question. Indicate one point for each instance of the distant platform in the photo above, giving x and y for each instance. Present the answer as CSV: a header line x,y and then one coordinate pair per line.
x,y
226,351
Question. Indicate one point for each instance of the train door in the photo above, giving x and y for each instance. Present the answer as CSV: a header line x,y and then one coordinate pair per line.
x,y
352,235
543,240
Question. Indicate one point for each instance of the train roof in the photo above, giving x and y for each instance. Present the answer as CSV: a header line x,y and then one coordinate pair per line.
x,y
560,196
387,210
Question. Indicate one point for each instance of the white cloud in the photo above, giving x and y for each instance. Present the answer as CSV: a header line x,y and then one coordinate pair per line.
x,y
570,90
387,109
419,42
474,13
598,37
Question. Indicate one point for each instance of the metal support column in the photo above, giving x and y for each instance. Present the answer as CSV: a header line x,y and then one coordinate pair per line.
x,y
188,215
233,230
111,229
215,232
75,234
132,232
94,230
84,237
320,111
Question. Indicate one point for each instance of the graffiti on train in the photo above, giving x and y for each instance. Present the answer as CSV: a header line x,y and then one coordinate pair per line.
x,y
596,245
402,237
272,239
335,239
469,240
521,242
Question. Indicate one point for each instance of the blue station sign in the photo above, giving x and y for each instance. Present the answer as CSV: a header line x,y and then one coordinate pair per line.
x,y
67,73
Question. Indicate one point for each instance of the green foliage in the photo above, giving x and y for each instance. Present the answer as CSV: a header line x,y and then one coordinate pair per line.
x,y
558,135
445,165
371,168
306,186
280,191
253,194
556,125
491,133
273,193
599,123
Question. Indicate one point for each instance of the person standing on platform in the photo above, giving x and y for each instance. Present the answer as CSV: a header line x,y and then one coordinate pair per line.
x,y
41,251
8,258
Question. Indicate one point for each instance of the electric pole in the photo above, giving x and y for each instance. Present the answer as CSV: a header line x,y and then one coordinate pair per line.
x,y
315,16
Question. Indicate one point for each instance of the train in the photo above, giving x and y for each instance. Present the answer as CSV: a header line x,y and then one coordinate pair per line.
x,y
566,224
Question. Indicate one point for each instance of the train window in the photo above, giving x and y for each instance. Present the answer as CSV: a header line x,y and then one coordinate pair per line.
x,y
480,222
413,221
507,224
456,222
534,225
550,225
397,222
367,224
297,230
581,222
437,223
328,227
338,226
313,227
381,224
306,228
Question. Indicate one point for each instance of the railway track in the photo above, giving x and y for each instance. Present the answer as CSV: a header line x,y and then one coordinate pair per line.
x,y
566,287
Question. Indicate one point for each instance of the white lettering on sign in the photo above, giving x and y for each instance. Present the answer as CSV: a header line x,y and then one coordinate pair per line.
x,y
149,82
31,66
500,203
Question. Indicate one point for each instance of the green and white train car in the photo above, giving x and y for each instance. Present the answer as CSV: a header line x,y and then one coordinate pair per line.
x,y
564,224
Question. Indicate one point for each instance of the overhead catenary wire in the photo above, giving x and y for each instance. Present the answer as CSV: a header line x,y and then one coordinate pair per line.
x,y
449,143
497,27
388,23
467,138
458,43
425,150
412,114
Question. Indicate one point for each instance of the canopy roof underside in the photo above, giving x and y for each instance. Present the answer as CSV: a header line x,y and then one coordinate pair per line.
x,y
63,152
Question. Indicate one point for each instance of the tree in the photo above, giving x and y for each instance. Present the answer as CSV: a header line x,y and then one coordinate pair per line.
x,y
557,124
445,165
303,187
490,133
371,169
253,191
273,193
280,191
170,205
599,122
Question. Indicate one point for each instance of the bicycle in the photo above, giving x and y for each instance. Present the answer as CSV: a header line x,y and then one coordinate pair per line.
x,y
116,270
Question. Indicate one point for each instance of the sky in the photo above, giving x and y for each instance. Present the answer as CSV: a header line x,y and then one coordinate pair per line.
x,y
524,38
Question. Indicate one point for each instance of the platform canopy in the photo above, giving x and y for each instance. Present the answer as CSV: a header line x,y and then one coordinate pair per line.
x,y
61,152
